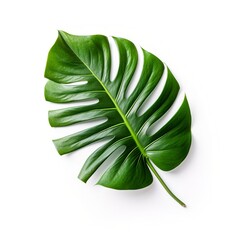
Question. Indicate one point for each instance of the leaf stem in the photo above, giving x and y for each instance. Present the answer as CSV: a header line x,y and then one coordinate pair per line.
x,y
163,183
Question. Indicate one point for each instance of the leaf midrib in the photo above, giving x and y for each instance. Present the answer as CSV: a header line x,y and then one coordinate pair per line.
x,y
125,120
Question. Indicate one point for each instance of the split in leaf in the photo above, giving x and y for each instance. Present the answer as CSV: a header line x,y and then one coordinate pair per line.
x,y
87,59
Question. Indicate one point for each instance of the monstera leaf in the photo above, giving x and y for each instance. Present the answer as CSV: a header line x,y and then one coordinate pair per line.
x,y
87,59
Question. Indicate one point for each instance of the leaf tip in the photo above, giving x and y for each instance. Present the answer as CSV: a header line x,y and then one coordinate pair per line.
x,y
62,33
81,177
59,150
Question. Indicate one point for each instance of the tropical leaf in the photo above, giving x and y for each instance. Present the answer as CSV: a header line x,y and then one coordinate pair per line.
x,y
87,59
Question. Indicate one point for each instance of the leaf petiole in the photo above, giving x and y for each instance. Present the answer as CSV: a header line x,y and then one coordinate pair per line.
x,y
163,183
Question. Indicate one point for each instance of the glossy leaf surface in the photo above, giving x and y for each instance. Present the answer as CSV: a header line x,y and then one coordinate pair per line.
x,y
87,59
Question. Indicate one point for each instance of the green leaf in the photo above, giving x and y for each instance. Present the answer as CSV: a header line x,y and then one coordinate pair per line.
x,y
87,59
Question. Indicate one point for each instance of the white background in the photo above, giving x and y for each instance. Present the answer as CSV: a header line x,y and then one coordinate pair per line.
x,y
40,194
